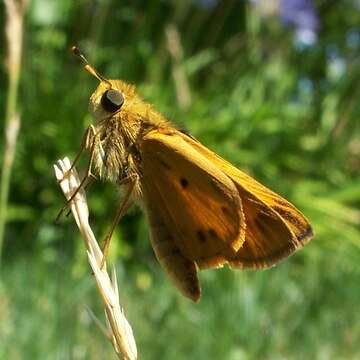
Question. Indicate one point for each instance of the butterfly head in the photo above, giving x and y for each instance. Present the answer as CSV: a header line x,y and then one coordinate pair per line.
x,y
111,96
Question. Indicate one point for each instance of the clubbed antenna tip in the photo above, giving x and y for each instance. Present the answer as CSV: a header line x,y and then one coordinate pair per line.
x,y
77,52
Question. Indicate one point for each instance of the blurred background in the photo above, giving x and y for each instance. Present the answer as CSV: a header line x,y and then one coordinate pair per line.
x,y
272,86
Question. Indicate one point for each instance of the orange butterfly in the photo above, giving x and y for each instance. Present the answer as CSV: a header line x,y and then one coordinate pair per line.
x,y
202,211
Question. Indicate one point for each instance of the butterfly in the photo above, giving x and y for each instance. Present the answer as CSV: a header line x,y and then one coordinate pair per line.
x,y
202,211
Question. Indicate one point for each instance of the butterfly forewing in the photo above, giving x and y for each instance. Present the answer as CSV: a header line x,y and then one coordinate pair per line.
x,y
199,204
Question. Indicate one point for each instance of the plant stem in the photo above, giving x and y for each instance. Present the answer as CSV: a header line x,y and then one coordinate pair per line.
x,y
11,129
14,29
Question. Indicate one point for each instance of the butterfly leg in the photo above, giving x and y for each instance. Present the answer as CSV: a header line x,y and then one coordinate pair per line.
x,y
131,181
86,142
88,169
91,179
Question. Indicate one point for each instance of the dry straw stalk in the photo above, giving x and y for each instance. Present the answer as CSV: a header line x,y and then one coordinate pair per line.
x,y
118,331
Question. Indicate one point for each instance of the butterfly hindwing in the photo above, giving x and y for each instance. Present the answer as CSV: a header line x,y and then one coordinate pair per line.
x,y
274,227
181,270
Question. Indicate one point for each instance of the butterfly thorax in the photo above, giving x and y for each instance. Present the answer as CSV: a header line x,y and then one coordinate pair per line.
x,y
112,142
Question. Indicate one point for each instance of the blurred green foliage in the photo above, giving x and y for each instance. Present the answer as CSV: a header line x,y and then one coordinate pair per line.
x,y
287,114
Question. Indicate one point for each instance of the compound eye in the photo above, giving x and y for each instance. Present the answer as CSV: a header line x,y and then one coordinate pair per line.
x,y
112,100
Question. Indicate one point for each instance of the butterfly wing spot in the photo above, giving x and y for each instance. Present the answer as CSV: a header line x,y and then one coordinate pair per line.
x,y
225,210
184,183
165,164
176,251
201,236
169,237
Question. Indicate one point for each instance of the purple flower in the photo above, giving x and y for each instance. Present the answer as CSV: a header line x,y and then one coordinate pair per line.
x,y
302,15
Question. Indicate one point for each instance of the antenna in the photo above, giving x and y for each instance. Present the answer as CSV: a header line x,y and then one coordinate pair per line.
x,y
77,52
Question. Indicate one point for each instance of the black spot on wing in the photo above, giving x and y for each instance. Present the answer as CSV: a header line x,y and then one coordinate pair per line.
x,y
225,210
201,236
164,164
184,183
175,251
